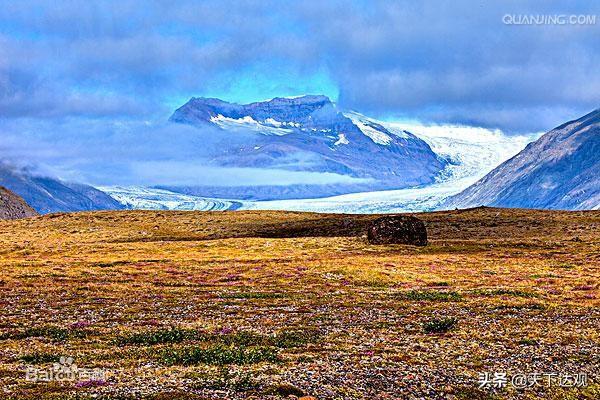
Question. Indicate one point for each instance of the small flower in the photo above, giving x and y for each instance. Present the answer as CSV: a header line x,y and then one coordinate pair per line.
x,y
80,324
223,331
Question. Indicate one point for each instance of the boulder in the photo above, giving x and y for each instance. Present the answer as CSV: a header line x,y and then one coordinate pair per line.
x,y
397,229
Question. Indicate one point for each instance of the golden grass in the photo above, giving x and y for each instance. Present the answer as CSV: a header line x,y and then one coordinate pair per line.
x,y
522,285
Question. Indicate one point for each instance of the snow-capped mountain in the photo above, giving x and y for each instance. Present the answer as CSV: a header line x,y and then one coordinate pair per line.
x,y
469,153
309,134
558,171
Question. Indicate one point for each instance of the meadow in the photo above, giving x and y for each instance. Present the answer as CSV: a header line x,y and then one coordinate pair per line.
x,y
269,305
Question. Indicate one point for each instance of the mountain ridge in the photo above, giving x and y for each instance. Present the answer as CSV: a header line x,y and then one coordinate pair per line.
x,y
558,171
48,195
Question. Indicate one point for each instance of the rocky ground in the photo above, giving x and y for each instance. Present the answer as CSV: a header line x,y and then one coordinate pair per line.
x,y
13,206
267,305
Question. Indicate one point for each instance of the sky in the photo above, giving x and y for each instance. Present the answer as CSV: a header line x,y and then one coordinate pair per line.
x,y
96,66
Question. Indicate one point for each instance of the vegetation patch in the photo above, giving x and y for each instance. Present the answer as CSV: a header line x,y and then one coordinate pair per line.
x,y
528,342
438,284
218,355
224,379
252,295
51,332
159,336
286,338
429,295
111,264
505,292
295,338
40,358
439,325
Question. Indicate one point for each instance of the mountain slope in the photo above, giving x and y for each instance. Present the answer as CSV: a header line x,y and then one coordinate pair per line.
x,y
561,170
48,195
309,134
13,206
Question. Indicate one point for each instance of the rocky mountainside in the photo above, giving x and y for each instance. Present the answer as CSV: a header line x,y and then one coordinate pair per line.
x,y
48,195
309,134
561,170
13,206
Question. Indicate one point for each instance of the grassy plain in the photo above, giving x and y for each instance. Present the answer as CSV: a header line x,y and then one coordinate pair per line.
x,y
268,305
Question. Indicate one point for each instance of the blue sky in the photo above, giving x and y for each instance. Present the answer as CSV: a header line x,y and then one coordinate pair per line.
x,y
96,65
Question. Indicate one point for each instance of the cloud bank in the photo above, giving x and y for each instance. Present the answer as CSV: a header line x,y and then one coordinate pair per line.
x,y
440,61
149,153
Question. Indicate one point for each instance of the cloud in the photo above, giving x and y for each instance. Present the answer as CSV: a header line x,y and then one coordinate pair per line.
x,y
199,174
437,61
456,59
123,152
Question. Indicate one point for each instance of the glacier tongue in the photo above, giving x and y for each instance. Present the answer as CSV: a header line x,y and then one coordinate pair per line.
x,y
471,151
143,198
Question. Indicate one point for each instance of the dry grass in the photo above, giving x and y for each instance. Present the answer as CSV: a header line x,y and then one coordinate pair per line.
x,y
232,305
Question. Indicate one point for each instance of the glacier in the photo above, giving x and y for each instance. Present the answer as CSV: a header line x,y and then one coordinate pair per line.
x,y
470,152
144,198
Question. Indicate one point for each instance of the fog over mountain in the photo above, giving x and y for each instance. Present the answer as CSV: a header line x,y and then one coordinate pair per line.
x,y
46,194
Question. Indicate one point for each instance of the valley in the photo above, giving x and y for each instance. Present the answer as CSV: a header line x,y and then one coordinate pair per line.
x,y
470,154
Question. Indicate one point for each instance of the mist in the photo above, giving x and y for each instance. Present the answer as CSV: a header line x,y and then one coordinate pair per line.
x,y
144,153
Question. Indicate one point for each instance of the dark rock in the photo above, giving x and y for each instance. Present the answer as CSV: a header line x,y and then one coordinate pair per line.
x,y
397,229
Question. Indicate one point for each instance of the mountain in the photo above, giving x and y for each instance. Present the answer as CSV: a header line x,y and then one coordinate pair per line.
x,y
471,153
48,195
561,170
468,153
307,134
13,206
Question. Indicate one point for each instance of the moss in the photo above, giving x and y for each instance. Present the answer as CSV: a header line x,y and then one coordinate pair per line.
x,y
40,358
429,295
